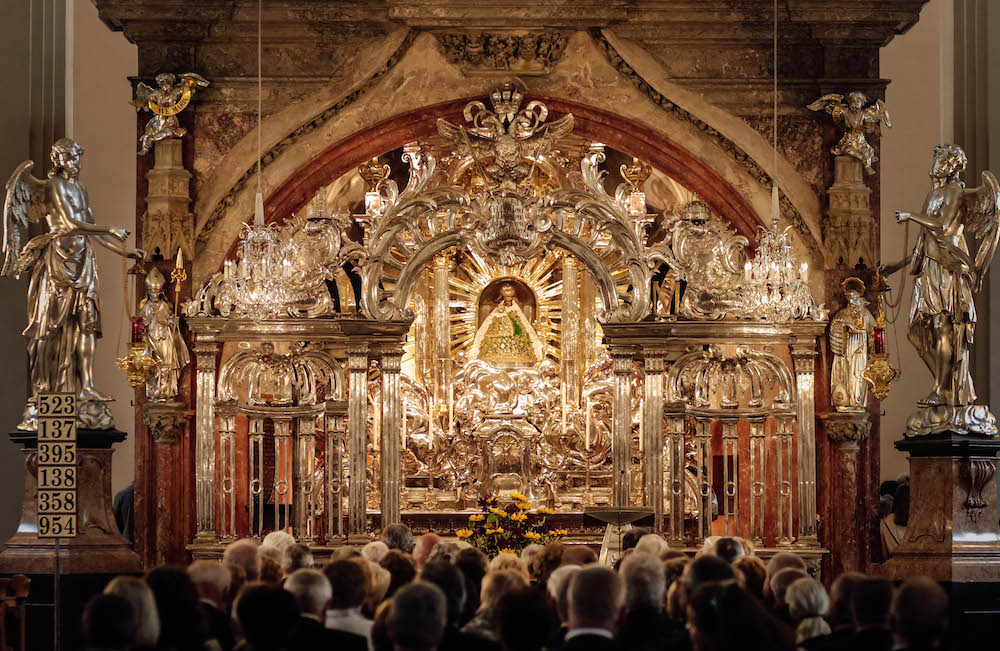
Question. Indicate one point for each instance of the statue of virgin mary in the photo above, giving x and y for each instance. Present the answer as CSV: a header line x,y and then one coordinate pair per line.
x,y
506,337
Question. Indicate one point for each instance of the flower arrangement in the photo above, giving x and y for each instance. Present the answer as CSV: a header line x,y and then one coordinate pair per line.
x,y
508,527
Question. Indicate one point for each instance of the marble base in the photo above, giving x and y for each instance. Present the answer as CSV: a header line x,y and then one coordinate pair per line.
x,y
943,419
953,533
98,548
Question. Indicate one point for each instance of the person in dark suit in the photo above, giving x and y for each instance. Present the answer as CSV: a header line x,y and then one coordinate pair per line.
x,y
450,580
870,609
645,626
212,580
596,598
312,593
919,616
417,617
267,616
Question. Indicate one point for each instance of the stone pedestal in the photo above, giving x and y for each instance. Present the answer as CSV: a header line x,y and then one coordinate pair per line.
x,y
953,533
847,231
168,224
846,431
98,548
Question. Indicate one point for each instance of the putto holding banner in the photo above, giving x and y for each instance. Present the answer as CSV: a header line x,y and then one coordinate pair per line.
x,y
165,102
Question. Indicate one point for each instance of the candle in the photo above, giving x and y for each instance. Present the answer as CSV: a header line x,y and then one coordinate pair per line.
x,y
642,418
404,425
746,271
563,391
137,337
588,425
451,407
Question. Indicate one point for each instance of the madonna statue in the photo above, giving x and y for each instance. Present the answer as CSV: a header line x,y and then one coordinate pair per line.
x,y
506,338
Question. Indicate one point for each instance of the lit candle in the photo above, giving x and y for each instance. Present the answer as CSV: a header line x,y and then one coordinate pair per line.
x,y
451,407
404,425
563,391
642,419
588,425
746,271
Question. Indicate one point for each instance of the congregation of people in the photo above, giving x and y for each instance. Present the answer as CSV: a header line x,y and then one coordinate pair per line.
x,y
406,593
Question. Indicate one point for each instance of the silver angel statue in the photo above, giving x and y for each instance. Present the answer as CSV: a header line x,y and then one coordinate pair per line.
x,y
169,98
164,340
942,311
64,312
850,329
856,120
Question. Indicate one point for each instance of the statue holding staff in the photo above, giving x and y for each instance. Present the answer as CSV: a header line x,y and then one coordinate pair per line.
x,y
64,312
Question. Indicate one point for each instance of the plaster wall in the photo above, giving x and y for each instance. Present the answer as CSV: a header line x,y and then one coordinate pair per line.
x,y
104,123
920,100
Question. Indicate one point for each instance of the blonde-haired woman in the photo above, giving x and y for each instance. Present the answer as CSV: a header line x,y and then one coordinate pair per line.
x,y
137,593
807,603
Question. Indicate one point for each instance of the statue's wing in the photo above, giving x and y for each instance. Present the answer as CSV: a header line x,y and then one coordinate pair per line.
x,y
24,203
466,141
874,117
827,103
196,78
547,135
143,93
983,209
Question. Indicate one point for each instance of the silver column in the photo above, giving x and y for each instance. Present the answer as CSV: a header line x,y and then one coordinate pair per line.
x,y
804,359
357,423
204,455
729,501
783,457
676,483
703,449
336,426
758,474
227,450
284,473
440,315
570,330
255,474
305,477
652,460
621,428
392,414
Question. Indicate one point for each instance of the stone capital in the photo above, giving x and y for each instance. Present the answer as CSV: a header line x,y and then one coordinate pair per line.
x,y
165,421
847,429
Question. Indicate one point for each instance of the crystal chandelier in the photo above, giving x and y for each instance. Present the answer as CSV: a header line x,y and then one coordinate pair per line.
x,y
256,284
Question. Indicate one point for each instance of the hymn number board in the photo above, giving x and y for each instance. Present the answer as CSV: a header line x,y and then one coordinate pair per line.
x,y
57,472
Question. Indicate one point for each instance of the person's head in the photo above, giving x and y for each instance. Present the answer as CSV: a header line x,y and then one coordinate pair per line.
x,y
498,583
579,555
368,569
558,589
380,627
652,543
445,551
244,554
528,554
423,547
722,616
780,583
402,570
704,569
138,594
596,598
311,590
674,568
398,536
807,604
645,581
449,579
298,557
525,620
870,603
238,577
919,613
266,614
212,580
381,582
270,570
841,597
901,505
181,618
508,561
754,573
417,619
374,551
778,562
472,563
108,622
728,549
547,560
631,537
280,540
348,583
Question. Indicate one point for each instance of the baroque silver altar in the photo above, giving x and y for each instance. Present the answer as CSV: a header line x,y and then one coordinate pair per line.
x,y
491,327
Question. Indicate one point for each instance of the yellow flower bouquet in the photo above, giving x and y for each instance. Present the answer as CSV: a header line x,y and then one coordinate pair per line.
x,y
509,526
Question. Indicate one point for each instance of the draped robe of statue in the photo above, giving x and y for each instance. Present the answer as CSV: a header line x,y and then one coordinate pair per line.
x,y
164,340
506,337
849,331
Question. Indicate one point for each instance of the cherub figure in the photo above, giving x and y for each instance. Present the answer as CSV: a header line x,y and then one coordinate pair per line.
x,y
856,121
165,101
942,311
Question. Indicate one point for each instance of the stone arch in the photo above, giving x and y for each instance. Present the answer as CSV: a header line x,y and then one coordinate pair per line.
x,y
711,151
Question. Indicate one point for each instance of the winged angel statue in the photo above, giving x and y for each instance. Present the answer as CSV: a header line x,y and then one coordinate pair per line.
x,y
856,121
169,98
64,313
508,135
942,311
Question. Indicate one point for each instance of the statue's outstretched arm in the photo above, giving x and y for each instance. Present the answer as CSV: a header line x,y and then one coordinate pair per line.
x,y
927,221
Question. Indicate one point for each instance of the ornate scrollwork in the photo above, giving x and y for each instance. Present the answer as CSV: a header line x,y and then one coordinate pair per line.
x,y
303,376
978,473
696,376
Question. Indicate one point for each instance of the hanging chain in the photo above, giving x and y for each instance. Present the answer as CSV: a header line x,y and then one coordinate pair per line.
x,y
896,306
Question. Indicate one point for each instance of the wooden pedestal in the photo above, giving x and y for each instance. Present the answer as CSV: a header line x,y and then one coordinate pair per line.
x,y
953,533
